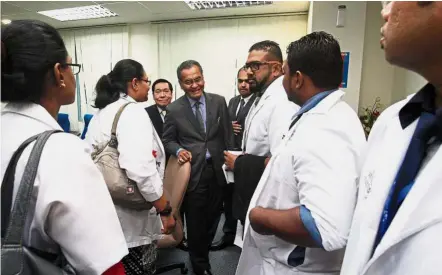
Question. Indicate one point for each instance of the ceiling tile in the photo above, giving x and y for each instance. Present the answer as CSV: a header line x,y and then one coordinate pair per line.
x,y
37,5
11,8
165,6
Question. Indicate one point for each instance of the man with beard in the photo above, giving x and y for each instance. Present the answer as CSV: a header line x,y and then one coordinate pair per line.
x,y
239,107
268,118
197,130
397,224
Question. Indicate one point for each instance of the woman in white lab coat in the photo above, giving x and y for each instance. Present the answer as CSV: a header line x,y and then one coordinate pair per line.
x,y
142,156
73,212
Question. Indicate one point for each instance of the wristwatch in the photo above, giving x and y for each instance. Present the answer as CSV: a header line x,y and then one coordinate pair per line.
x,y
166,211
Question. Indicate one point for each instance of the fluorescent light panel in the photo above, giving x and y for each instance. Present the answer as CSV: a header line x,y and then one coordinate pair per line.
x,y
79,13
207,5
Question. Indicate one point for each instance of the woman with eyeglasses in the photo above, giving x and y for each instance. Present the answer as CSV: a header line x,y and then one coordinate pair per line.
x,y
142,157
71,214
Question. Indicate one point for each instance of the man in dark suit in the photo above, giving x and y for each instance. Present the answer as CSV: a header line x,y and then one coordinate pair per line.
x,y
198,129
162,94
239,107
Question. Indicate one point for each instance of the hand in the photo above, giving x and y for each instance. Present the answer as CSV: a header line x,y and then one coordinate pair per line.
x,y
229,160
184,156
266,161
169,223
257,216
236,127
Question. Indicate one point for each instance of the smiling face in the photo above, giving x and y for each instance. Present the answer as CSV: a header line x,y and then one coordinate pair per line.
x,y
162,94
192,82
411,34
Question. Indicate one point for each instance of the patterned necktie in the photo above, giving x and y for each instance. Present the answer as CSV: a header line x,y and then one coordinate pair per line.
x,y
241,106
199,116
163,114
416,152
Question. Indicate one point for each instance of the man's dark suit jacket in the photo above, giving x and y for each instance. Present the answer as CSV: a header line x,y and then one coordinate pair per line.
x,y
241,117
157,122
248,171
181,130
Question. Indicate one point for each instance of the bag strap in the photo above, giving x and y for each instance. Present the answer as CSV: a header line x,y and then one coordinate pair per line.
x,y
113,141
13,233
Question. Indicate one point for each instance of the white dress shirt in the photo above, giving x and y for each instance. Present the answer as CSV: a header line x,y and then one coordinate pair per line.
x,y
162,113
136,143
246,99
73,208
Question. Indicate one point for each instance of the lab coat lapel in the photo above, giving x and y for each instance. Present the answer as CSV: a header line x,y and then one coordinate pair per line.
x,y
418,211
252,113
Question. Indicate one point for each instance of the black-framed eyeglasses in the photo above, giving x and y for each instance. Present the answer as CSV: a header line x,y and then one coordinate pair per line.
x,y
76,68
255,65
147,81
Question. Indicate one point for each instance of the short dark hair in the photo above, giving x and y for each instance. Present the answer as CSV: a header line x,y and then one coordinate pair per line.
x,y
29,50
240,69
268,46
110,86
187,65
317,55
161,80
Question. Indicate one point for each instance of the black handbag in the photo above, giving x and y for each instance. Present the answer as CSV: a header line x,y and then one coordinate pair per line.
x,y
16,258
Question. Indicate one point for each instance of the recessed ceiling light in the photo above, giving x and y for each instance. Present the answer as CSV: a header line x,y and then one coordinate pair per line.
x,y
6,21
79,13
206,5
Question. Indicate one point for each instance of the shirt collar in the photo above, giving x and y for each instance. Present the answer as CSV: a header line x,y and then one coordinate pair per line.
x,y
33,111
246,99
193,101
127,98
422,101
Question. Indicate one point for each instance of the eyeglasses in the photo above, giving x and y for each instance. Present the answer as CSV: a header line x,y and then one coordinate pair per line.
x,y
255,65
74,67
147,81
189,82
165,91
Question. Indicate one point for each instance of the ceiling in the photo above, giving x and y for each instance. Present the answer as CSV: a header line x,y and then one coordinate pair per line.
x,y
137,11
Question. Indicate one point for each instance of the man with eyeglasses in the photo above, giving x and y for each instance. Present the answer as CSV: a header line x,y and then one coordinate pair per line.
x,y
239,107
266,122
397,223
197,129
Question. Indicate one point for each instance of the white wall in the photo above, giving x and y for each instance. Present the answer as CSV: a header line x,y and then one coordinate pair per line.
x,y
378,76
351,38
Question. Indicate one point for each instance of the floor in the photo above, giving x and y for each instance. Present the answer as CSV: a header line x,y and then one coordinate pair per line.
x,y
223,262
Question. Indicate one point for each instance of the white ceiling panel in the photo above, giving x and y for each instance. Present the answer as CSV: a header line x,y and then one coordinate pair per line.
x,y
137,12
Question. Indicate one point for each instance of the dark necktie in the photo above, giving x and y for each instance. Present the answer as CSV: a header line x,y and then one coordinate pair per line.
x,y
416,152
241,106
199,117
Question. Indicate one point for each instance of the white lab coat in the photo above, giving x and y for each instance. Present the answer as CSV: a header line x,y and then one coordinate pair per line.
x,y
137,139
73,208
412,243
315,166
267,121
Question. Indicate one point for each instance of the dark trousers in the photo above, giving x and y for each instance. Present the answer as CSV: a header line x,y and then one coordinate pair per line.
x,y
230,223
202,209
